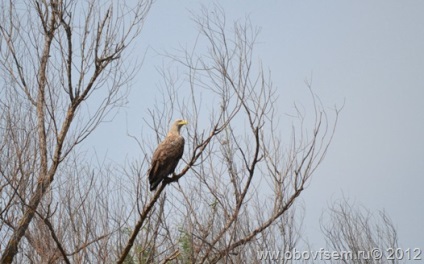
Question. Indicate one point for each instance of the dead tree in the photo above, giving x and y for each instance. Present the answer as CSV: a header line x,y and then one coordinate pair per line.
x,y
240,176
353,229
55,56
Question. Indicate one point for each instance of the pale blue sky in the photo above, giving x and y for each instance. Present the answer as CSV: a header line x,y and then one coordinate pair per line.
x,y
369,54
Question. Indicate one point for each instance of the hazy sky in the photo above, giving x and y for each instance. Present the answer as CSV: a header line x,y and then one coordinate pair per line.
x,y
369,54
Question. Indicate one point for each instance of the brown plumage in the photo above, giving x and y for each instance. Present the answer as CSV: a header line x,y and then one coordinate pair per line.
x,y
167,154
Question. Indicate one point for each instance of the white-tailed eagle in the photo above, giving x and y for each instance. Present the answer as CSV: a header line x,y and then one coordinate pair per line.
x,y
167,154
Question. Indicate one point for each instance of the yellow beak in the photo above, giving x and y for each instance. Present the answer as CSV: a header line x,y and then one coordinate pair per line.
x,y
183,122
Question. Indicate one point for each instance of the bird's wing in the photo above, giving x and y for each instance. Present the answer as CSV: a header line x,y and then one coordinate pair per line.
x,y
165,158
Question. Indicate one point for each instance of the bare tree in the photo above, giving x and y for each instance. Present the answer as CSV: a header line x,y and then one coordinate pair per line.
x,y
357,231
54,56
239,179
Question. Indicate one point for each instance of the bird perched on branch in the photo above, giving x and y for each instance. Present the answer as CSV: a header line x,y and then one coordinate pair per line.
x,y
167,154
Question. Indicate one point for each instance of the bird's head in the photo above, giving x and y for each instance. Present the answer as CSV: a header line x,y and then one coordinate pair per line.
x,y
181,122
175,129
